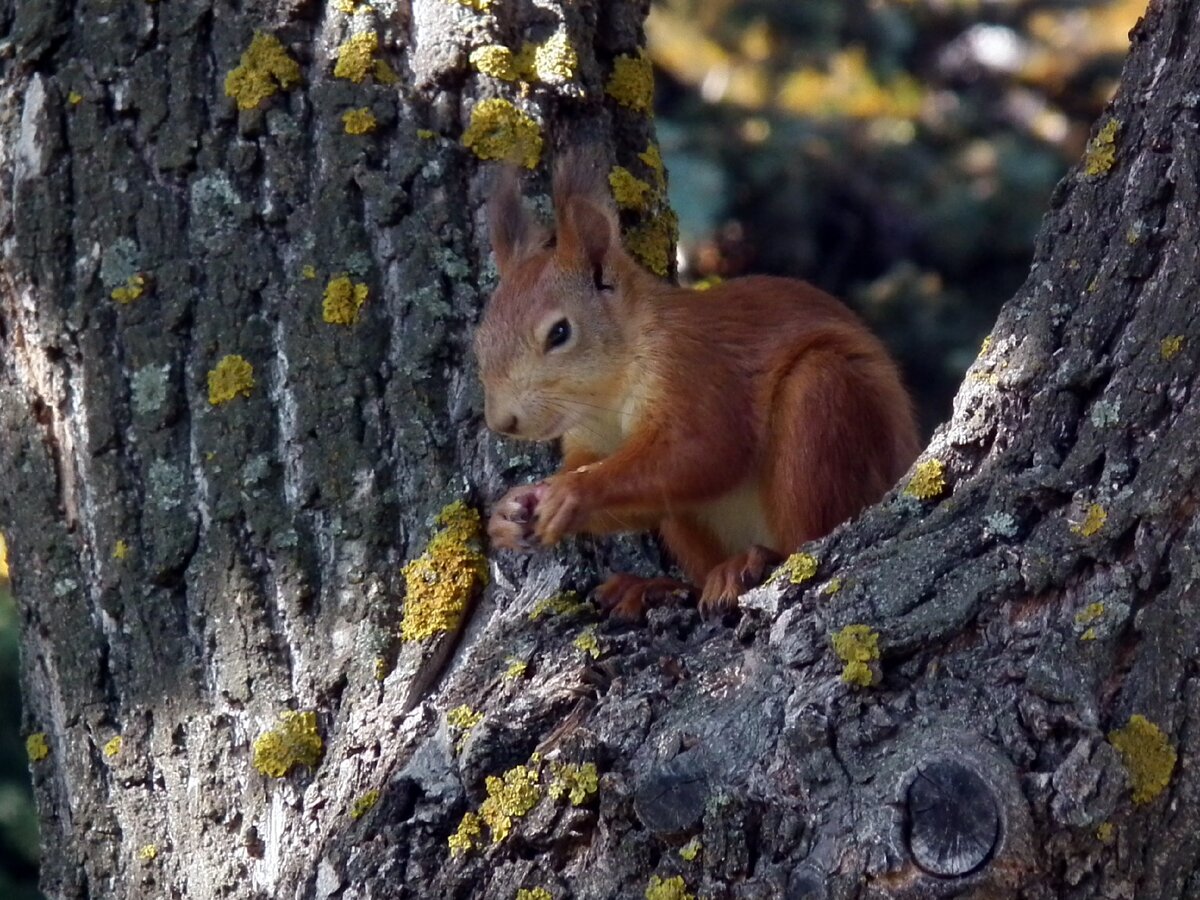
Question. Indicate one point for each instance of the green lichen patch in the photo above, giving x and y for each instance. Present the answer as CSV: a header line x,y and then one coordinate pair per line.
x,y
858,647
652,241
1102,150
440,582
132,289
343,300
356,57
588,643
578,782
264,69
509,797
232,377
564,603
691,849
1169,347
359,121
632,82
629,191
296,742
37,747
928,481
112,746
1148,756
798,568
1093,521
364,804
673,888
500,131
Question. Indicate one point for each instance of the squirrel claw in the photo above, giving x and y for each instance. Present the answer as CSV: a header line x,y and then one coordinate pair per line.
x,y
732,578
510,526
626,597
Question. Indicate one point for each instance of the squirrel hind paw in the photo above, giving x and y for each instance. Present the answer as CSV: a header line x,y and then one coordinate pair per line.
x,y
732,578
626,597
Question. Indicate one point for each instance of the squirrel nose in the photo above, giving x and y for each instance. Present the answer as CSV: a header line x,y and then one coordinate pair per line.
x,y
500,420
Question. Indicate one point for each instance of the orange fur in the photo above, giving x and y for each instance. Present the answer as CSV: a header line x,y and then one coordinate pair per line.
x,y
759,412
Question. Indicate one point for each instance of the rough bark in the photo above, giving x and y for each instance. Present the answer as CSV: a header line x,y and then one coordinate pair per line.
x,y
1025,611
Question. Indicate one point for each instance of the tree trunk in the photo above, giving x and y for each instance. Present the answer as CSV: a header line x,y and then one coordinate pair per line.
x,y
983,687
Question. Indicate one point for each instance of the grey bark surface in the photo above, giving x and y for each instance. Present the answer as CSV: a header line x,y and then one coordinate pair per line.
x,y
1024,613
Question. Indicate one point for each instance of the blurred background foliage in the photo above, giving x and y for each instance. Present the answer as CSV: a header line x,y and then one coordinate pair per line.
x,y
898,153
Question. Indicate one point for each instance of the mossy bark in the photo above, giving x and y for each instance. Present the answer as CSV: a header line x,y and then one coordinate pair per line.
x,y
1038,602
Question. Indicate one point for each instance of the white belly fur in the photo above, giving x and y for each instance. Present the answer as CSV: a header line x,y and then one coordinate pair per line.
x,y
737,519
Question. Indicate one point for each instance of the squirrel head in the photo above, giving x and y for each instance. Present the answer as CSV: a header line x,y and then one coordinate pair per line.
x,y
555,336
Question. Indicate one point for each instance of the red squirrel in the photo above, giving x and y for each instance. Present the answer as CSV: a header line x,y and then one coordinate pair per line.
x,y
738,422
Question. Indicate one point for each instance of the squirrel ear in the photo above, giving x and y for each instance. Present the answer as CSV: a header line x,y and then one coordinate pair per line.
x,y
587,232
512,228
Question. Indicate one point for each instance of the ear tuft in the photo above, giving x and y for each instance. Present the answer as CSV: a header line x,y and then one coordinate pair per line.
x,y
512,228
585,220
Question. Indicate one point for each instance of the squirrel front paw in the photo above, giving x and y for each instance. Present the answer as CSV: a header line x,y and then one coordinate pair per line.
x,y
510,526
562,509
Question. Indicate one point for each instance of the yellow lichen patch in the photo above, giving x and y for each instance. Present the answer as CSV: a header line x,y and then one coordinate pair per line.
x,y
466,837
691,849
477,5
133,288
629,191
463,717
587,643
928,481
37,747
3,559
537,893
668,889
425,134
1102,149
309,272
799,567
148,852
364,804
1170,346
496,61
652,241
555,60
441,580
1105,832
346,6
564,603
858,647
508,797
112,747
356,57
707,284
74,98
295,742
500,131
577,782
1092,522
652,157
382,668
1148,756
1088,635
516,669
120,550
265,68
831,587
986,346
1090,614
632,82
232,377
384,74
359,121
343,300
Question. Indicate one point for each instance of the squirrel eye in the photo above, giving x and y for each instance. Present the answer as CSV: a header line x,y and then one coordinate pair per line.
x,y
559,334
598,279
